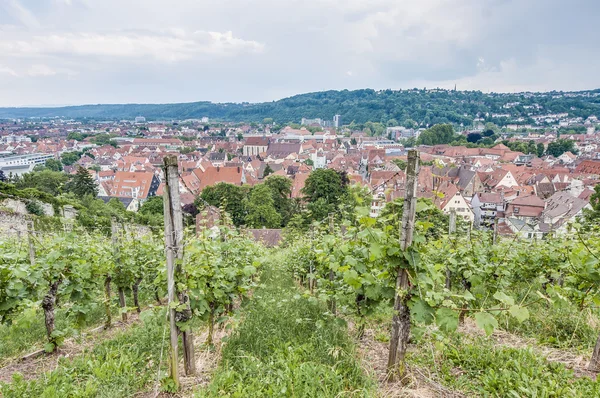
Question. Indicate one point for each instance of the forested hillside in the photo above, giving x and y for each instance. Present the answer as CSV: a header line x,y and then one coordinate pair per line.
x,y
360,106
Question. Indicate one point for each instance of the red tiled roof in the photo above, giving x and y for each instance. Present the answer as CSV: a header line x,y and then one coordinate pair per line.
x,y
214,175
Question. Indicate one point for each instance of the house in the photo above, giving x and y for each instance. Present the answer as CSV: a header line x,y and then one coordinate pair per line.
x,y
454,200
589,167
282,150
255,145
137,185
217,158
486,207
213,175
498,178
525,207
567,158
561,208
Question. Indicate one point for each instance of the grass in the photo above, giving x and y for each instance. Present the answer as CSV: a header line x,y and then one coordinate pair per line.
x,y
565,327
28,333
286,347
119,367
477,367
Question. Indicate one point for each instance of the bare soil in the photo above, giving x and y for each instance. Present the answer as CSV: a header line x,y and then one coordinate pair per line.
x,y
418,383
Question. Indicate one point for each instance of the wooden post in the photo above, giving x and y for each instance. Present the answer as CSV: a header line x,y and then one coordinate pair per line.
x,y
30,232
594,364
170,257
176,231
451,231
115,242
331,273
401,320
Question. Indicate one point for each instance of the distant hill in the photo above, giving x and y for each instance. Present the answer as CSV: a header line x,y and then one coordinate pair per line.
x,y
360,106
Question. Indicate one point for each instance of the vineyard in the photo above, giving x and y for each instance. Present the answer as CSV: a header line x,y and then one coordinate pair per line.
x,y
407,305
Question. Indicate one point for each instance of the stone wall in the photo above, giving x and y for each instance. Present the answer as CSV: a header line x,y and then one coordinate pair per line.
x,y
12,224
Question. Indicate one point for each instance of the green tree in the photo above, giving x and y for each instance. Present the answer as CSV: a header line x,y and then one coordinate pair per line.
x,y
400,163
268,120
268,171
52,182
281,191
540,149
261,208
54,165
410,124
436,135
69,158
232,198
74,135
83,184
561,146
35,208
324,190
392,123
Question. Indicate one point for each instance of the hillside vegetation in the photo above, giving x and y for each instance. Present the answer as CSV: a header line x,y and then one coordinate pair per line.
x,y
423,106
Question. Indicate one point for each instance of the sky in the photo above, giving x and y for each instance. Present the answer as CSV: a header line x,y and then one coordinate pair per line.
x,y
70,52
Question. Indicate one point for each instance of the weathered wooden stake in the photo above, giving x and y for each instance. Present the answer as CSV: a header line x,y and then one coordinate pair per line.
x,y
401,320
594,365
451,231
117,255
176,220
170,257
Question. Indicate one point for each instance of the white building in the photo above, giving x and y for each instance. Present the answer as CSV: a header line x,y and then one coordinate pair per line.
x,y
337,121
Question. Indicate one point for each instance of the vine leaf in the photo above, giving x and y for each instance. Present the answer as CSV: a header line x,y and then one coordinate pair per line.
x,y
521,314
446,319
421,311
486,322
503,298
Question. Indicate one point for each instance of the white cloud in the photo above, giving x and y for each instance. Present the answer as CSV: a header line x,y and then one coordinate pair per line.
x,y
41,70
162,47
235,50
7,70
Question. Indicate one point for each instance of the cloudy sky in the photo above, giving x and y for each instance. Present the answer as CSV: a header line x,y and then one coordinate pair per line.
x,y
57,52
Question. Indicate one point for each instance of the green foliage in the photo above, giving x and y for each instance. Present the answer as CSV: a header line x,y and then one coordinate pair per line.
x,y
229,197
408,107
69,158
268,171
29,194
54,165
260,208
560,146
34,207
400,163
325,184
82,184
438,134
287,346
51,182
281,190
480,368
117,367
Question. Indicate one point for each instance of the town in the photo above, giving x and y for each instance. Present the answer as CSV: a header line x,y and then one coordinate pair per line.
x,y
524,180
